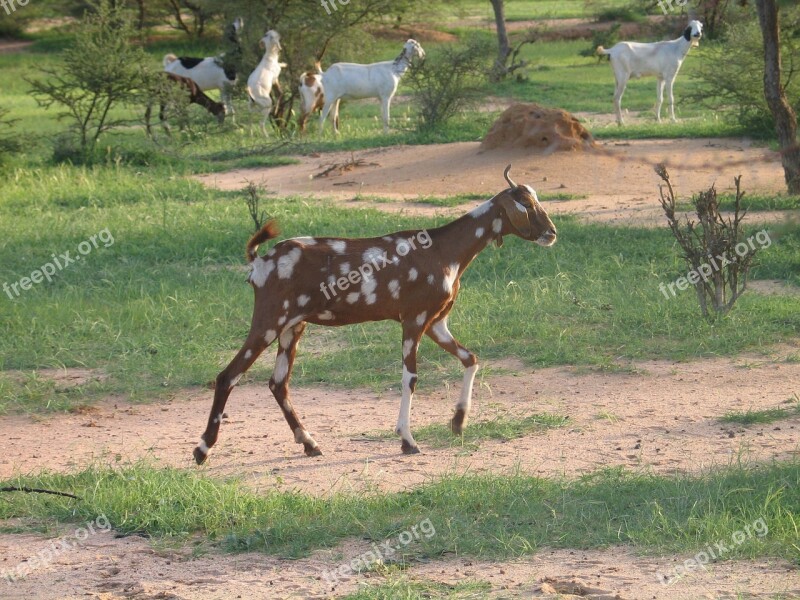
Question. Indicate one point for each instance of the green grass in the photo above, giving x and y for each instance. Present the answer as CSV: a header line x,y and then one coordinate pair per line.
x,y
762,417
166,306
402,588
499,427
485,516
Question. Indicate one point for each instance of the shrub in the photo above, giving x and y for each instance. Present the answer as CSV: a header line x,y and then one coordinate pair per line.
x,y
101,70
449,80
9,142
731,72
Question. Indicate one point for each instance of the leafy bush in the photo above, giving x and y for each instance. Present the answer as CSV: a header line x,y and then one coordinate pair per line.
x,y
9,142
102,70
731,72
605,37
449,81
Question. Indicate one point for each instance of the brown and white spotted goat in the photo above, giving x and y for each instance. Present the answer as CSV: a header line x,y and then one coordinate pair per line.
x,y
409,276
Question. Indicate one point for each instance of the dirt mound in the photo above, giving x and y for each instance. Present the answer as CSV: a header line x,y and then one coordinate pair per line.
x,y
538,128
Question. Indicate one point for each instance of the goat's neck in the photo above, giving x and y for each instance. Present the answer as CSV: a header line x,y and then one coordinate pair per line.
x,y
270,55
458,242
401,64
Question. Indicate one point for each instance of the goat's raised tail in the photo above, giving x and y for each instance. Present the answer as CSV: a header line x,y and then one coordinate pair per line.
x,y
268,231
169,59
602,51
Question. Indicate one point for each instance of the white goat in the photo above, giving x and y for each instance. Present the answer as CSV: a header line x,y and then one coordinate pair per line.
x,y
210,73
265,75
662,59
351,81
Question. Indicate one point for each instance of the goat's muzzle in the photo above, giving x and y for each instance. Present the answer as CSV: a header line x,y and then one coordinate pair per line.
x,y
548,238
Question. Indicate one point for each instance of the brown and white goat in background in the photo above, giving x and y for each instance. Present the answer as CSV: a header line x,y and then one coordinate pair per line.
x,y
413,278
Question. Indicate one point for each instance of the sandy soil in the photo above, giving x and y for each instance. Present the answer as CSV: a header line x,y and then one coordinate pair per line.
x,y
657,416
617,179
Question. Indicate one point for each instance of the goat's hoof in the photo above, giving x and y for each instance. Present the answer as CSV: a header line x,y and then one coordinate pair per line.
x,y
409,449
199,456
312,451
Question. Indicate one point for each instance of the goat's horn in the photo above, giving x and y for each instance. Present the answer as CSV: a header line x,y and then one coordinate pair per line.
x,y
508,179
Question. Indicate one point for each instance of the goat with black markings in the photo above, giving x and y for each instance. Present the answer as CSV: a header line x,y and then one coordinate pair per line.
x,y
294,285
662,59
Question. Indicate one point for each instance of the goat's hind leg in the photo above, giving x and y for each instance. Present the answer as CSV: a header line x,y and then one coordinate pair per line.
x,y
440,334
659,98
279,384
619,91
223,386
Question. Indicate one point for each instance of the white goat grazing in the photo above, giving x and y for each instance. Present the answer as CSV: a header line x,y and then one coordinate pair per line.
x,y
210,73
265,75
351,81
662,59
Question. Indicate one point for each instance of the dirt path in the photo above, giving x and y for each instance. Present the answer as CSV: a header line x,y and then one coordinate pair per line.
x,y
131,568
617,181
662,416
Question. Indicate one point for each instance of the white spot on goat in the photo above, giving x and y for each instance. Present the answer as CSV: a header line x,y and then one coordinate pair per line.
x,y
344,268
412,274
287,262
368,289
270,336
339,246
372,256
248,354
440,332
481,210
450,275
307,241
325,316
281,368
394,288
431,278
421,318
282,320
497,225
353,297
285,305
302,300
463,353
261,270
407,346
479,232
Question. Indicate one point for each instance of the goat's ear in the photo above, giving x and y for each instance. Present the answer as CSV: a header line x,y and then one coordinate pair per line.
x,y
687,34
517,214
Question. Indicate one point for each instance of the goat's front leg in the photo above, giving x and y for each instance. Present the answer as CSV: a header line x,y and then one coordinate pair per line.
x,y
223,386
326,109
412,332
659,98
385,103
618,93
671,97
227,100
440,334
279,384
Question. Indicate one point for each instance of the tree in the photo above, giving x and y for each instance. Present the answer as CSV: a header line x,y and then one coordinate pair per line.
x,y
101,70
775,94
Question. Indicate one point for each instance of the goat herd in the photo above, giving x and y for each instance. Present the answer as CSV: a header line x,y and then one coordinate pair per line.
x,y
323,91
295,282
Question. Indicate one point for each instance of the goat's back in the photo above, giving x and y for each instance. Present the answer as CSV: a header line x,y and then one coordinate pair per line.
x,y
352,80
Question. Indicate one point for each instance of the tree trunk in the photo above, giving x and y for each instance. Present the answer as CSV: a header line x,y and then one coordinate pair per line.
x,y
503,46
785,118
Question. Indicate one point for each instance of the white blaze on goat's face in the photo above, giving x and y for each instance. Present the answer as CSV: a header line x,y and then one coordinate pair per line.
x,y
413,49
695,30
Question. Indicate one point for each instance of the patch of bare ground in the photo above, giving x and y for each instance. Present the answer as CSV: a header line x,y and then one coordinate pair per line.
x,y
656,415
110,568
14,45
617,180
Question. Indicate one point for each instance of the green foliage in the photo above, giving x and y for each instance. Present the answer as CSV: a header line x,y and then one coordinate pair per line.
x,y
602,37
731,71
448,81
102,68
10,142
